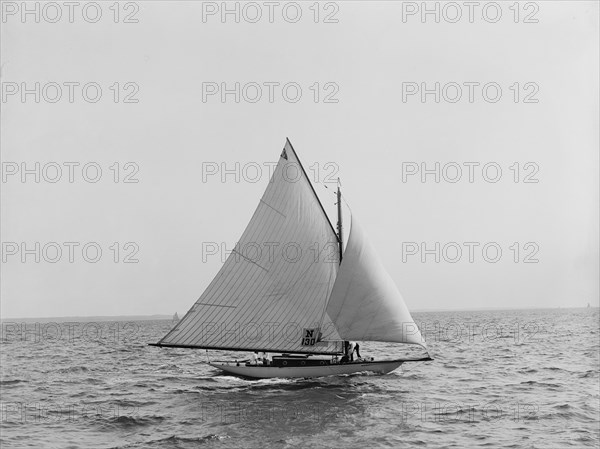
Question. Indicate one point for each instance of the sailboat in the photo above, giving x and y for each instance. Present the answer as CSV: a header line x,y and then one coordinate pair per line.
x,y
290,287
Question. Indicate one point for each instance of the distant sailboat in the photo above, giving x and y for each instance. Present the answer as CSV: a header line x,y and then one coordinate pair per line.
x,y
288,287
175,317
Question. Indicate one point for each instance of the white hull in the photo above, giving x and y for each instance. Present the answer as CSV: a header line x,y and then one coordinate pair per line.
x,y
263,372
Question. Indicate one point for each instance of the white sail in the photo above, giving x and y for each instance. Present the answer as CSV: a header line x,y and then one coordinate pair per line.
x,y
272,290
365,304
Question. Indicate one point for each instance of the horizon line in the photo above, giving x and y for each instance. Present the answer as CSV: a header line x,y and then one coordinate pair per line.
x,y
429,310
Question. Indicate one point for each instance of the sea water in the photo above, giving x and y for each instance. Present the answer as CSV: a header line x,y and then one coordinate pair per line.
x,y
500,379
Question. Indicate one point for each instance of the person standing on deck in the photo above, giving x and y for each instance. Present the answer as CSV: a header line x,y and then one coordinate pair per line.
x,y
352,347
253,358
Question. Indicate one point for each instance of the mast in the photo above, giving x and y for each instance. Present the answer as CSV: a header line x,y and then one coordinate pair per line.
x,y
339,223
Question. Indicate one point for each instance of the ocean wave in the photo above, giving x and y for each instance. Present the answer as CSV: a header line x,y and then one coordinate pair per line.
x,y
10,382
174,442
126,421
73,369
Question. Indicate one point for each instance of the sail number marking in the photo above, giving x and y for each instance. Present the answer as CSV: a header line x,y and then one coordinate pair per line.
x,y
310,337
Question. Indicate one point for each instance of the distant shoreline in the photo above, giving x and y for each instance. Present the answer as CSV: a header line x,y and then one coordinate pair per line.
x,y
170,317
499,309
91,318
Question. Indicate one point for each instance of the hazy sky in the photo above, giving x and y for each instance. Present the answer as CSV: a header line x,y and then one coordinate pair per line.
x,y
369,122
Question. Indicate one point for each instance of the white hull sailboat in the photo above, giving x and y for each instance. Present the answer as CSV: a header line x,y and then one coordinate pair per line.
x,y
290,286
265,372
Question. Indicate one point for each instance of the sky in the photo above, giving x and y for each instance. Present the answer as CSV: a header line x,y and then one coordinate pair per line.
x,y
375,93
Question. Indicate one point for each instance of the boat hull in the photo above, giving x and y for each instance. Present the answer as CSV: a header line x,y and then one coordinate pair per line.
x,y
265,372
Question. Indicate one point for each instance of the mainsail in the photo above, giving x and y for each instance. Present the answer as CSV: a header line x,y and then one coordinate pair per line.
x,y
365,304
271,292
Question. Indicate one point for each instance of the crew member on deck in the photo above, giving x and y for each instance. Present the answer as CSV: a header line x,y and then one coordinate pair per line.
x,y
253,358
265,357
353,346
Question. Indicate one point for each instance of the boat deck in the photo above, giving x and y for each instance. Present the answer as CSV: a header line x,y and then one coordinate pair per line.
x,y
310,370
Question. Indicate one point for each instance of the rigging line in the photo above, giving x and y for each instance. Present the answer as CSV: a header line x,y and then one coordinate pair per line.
x,y
344,198
407,370
350,210
312,187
